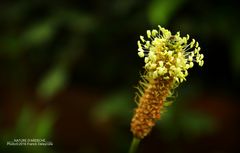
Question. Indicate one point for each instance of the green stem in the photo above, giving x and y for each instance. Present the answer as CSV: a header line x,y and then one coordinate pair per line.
x,y
134,145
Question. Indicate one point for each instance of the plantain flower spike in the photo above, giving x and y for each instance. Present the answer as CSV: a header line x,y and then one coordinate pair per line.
x,y
167,60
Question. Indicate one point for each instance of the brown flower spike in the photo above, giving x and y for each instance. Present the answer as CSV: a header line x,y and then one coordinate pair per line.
x,y
167,58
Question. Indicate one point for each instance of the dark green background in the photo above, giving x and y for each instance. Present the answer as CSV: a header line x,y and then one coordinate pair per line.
x,y
68,71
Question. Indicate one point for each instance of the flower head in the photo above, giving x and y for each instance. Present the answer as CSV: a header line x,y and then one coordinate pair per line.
x,y
167,60
167,55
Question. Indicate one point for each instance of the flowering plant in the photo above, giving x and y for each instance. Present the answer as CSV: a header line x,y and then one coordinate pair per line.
x,y
167,60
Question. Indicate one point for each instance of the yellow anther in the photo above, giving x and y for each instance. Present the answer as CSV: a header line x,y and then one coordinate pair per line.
x,y
191,64
153,66
147,44
192,43
169,53
148,33
154,32
141,54
160,63
190,58
139,44
146,59
142,39
196,45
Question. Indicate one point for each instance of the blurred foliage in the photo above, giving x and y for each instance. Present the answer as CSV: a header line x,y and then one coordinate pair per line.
x,y
235,55
160,12
39,33
179,121
53,82
29,126
114,106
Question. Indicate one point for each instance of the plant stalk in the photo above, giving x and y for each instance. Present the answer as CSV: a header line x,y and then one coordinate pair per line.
x,y
134,145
